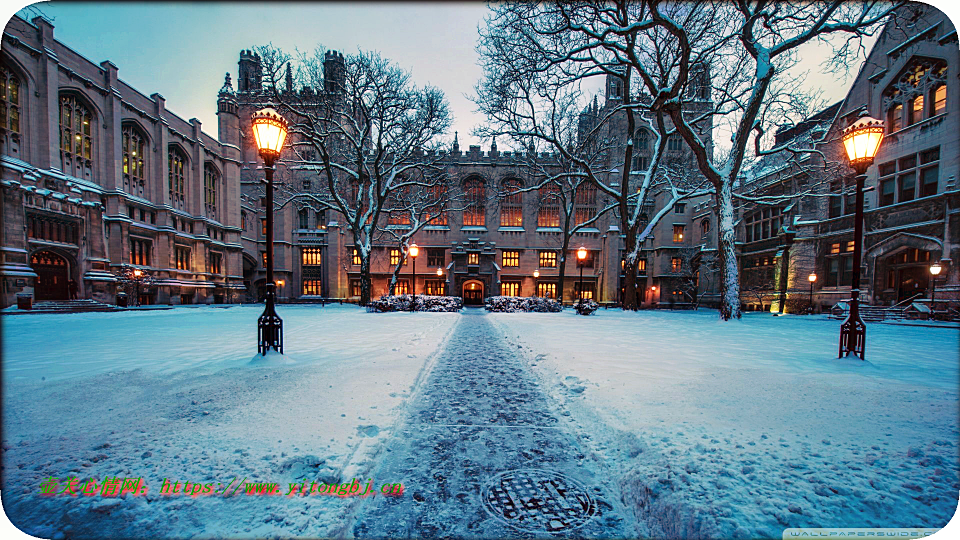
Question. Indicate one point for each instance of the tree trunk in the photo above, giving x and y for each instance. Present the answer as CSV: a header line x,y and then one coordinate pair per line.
x,y
562,261
729,273
364,278
629,300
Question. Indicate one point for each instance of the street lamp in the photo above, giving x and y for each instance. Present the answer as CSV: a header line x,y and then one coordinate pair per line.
x,y
137,276
440,274
812,278
935,269
280,283
536,283
861,140
414,251
269,132
581,256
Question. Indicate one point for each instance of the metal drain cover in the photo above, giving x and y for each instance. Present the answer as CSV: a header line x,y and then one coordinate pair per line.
x,y
536,500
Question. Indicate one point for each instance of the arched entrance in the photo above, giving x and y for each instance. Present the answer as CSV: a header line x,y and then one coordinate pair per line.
x,y
53,276
908,273
473,292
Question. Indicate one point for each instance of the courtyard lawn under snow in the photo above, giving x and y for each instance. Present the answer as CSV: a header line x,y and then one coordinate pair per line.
x,y
745,428
706,428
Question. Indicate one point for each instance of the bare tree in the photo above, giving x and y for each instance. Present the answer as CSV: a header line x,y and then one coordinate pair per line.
x,y
739,51
362,128
411,209
537,59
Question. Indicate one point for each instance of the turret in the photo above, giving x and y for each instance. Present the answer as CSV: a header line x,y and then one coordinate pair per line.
x,y
615,85
228,120
334,72
250,74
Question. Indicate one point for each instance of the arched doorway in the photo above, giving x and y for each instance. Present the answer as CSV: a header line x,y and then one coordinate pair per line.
x,y
53,275
472,293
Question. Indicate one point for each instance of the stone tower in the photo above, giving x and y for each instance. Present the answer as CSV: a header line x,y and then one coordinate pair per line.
x,y
228,120
250,75
334,71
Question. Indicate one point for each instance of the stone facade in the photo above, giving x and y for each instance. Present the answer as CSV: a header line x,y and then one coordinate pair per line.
x,y
98,178
912,202
498,257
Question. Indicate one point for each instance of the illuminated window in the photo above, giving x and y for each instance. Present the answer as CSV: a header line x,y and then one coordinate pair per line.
x,y
834,248
355,287
547,290
915,111
76,137
402,287
547,259
211,181
311,256
475,213
133,159
263,226
850,245
549,212
587,290
678,233
182,256
511,207
510,288
9,111
511,259
395,257
356,257
436,213
216,263
140,251
940,99
434,287
263,258
473,258
675,264
176,177
311,287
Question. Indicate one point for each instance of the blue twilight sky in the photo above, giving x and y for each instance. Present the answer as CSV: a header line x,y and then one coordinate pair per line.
x,y
182,50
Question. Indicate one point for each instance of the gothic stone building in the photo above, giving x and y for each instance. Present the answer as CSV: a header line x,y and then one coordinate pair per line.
x,y
493,248
912,202
97,177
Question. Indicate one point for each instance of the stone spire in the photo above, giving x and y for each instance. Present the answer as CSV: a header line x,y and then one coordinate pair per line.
x,y
493,146
227,88
289,79
456,143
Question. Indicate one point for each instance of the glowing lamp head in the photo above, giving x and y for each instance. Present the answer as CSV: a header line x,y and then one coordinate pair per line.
x,y
582,253
439,271
137,272
654,288
536,273
811,278
280,282
414,251
269,132
862,140
935,269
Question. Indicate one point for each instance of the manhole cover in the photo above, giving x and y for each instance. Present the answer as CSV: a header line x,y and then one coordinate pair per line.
x,y
538,501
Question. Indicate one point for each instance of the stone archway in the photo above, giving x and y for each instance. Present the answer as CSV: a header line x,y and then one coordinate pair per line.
x,y
473,292
53,276
901,267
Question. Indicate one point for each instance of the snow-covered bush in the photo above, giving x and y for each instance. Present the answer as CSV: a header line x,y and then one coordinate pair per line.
x,y
588,307
522,304
406,302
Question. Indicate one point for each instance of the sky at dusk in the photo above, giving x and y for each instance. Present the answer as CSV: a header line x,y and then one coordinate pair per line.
x,y
182,50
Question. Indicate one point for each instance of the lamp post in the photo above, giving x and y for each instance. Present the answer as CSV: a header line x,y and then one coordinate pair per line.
x,y
137,276
269,132
812,278
861,140
536,283
414,251
581,256
935,269
280,283
440,274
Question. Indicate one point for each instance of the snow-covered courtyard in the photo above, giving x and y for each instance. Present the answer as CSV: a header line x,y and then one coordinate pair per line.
x,y
679,425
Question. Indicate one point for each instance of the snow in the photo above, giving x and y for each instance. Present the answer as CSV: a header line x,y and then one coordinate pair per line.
x,y
741,429
177,394
681,424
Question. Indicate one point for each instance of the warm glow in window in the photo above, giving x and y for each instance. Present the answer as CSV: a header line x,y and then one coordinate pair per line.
x,y
511,258
547,259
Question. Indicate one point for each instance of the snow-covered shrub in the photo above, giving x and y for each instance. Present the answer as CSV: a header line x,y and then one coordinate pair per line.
x,y
406,302
588,307
522,304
